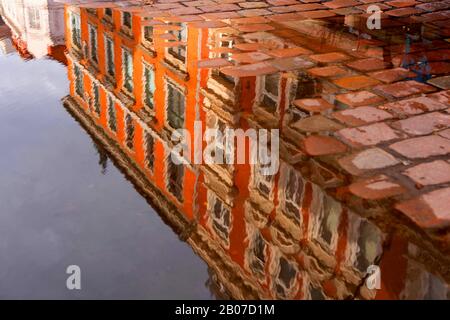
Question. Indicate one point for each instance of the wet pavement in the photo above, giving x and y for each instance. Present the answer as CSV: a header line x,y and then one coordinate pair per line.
x,y
363,116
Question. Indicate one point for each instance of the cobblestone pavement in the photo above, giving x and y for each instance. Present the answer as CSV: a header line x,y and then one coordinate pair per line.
x,y
373,124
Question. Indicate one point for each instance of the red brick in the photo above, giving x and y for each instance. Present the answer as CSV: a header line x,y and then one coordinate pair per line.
x,y
412,106
367,160
329,57
307,7
370,64
253,5
429,211
445,133
250,57
361,115
335,4
213,63
368,135
249,20
255,27
422,147
288,52
330,71
424,124
392,75
402,3
313,105
429,173
254,12
404,89
323,145
249,70
318,14
357,99
403,12
376,188
356,82
317,123
442,97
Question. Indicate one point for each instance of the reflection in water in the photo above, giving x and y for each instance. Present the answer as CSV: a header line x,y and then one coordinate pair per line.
x,y
136,76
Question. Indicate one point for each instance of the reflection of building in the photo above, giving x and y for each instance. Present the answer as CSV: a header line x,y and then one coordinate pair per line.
x,y
37,26
6,45
133,81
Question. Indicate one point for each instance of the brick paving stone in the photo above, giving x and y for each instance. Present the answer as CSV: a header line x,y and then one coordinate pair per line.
x,y
376,188
184,11
330,57
330,71
318,14
367,160
220,7
357,99
402,3
412,106
255,27
442,97
335,4
356,82
292,63
404,89
254,12
282,2
392,75
444,133
361,116
288,52
430,211
434,6
213,63
422,147
249,20
250,70
430,173
253,5
440,82
307,7
424,124
369,64
403,12
250,57
313,105
317,123
368,135
323,145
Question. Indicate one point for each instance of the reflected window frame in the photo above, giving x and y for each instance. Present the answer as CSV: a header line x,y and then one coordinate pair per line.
x,y
149,84
75,30
79,80
34,18
130,131
219,217
128,70
93,43
96,102
110,64
267,100
175,175
180,111
149,151
111,113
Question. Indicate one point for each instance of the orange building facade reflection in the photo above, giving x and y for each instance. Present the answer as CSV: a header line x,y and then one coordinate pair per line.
x,y
133,81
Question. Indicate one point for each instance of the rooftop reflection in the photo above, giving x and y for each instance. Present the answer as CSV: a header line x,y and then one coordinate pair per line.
x,y
351,191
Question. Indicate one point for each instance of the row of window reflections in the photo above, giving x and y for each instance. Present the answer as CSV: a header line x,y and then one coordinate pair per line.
x,y
175,173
